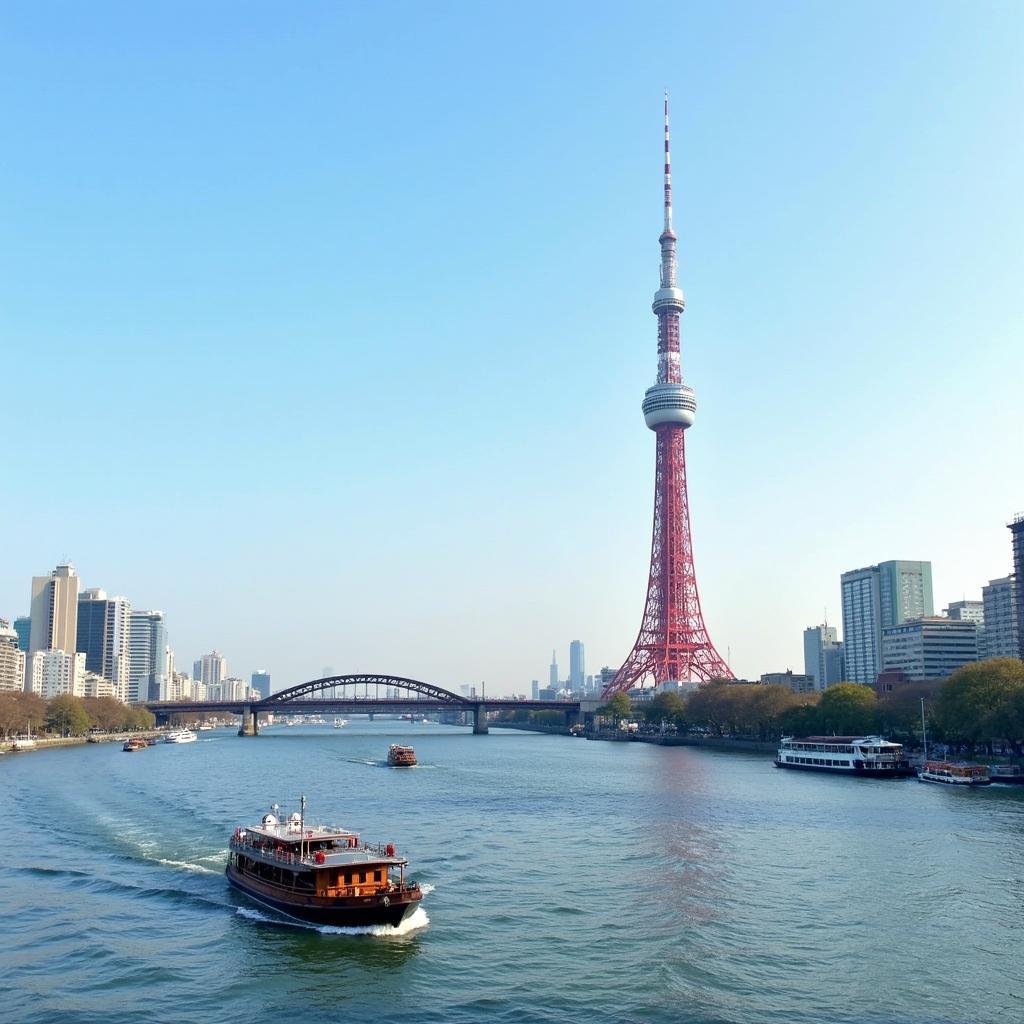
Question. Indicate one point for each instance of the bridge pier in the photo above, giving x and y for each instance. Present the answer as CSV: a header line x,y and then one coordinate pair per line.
x,y
479,720
250,722
571,718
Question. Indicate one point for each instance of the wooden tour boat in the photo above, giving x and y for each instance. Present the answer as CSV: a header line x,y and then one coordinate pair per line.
x,y
401,757
134,743
320,873
949,774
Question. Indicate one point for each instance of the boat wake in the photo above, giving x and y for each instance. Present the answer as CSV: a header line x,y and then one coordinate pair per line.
x,y
416,920
187,865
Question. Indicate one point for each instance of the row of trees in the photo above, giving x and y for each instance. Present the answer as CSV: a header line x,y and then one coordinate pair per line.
x,y
981,704
64,715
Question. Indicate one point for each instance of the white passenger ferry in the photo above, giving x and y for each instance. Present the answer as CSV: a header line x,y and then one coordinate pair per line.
x,y
849,755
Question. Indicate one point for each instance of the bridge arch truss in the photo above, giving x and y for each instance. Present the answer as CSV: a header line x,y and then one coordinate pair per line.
x,y
327,687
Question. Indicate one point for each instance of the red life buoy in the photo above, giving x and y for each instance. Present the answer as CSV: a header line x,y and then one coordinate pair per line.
x,y
391,850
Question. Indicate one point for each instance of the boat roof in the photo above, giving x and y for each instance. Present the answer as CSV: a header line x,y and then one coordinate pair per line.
x,y
290,833
876,740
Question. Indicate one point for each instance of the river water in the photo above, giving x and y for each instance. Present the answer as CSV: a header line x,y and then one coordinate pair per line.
x,y
568,881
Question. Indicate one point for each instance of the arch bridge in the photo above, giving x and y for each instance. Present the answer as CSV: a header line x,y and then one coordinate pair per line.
x,y
361,693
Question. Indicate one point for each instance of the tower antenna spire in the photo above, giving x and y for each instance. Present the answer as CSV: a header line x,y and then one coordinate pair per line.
x,y
668,173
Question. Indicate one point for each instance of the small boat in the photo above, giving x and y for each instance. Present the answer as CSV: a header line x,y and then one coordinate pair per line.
x,y
205,727
181,736
320,873
401,757
134,743
339,722
950,774
1013,773
845,755
23,743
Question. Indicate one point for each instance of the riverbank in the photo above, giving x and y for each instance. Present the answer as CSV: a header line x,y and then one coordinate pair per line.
x,y
686,740
47,742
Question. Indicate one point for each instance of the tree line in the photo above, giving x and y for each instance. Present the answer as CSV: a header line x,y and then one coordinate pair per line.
x,y
64,715
980,705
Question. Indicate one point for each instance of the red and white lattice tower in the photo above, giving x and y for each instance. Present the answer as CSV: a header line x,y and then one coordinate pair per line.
x,y
673,643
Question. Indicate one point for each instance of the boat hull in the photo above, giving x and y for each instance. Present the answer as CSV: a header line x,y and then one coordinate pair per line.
x,y
898,772
341,912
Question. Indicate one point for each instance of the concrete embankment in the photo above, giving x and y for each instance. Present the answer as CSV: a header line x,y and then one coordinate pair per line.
x,y
47,742
711,742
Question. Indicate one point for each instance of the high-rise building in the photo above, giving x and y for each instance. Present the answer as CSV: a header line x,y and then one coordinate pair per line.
x,y
12,660
213,667
54,672
673,641
823,656
103,637
534,689
1002,626
261,682
875,597
23,627
576,669
55,610
553,672
930,647
1017,531
147,679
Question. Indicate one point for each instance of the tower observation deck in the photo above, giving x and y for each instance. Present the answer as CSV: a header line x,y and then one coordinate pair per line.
x,y
673,642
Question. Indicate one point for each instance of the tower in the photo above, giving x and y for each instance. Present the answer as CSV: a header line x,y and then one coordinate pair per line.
x,y
673,643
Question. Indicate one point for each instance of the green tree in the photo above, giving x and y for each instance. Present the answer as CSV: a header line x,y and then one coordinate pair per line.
x,y
664,707
848,709
619,707
983,702
66,717
140,718
801,719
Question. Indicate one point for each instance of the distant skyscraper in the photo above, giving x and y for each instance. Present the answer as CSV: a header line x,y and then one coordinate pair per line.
x,y
23,627
1002,625
103,637
55,610
823,656
875,597
534,688
1017,530
553,672
576,669
261,681
12,659
213,668
930,647
147,678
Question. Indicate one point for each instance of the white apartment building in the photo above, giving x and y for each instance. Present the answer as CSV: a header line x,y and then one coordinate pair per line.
x,y
12,660
51,673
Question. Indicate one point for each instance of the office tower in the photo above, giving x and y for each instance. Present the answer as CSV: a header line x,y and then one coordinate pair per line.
x,y
906,591
805,683
197,669
673,641
930,647
54,672
103,636
875,597
576,670
1002,625
55,610
261,682
966,611
553,672
213,667
1017,531
823,656
12,660
23,627
534,689
148,639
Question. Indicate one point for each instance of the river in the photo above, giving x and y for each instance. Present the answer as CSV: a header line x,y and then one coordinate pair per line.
x,y
567,881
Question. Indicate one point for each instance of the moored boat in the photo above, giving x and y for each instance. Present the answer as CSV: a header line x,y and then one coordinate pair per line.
x,y
180,736
134,743
950,774
319,873
401,757
1013,773
845,755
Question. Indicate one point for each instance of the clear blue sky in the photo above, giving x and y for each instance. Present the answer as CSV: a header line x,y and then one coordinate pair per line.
x,y
326,326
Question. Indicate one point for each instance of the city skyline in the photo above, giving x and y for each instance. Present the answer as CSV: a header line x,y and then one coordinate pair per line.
x,y
847,237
